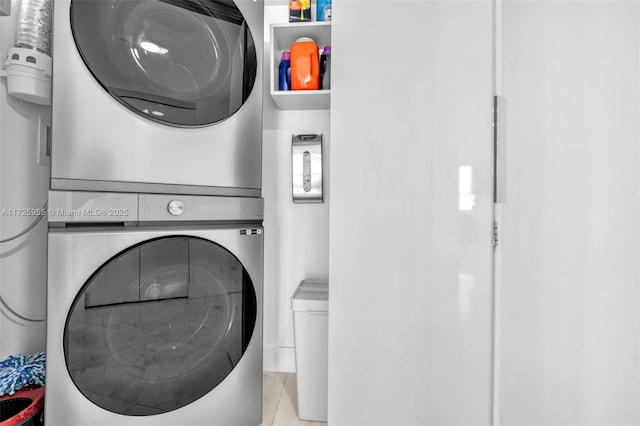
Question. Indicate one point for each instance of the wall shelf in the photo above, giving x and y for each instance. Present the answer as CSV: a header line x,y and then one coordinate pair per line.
x,y
282,36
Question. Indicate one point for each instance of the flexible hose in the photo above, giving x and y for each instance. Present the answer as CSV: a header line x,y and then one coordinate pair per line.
x,y
34,25
22,317
29,228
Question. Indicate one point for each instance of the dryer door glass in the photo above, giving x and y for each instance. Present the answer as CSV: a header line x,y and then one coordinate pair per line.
x,y
180,62
159,325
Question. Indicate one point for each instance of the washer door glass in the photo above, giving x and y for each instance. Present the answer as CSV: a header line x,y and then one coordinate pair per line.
x,y
180,62
159,325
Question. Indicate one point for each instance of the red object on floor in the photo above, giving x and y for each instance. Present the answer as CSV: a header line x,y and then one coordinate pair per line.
x,y
23,408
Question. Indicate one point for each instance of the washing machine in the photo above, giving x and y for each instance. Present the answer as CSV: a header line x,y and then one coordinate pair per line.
x,y
154,307
157,96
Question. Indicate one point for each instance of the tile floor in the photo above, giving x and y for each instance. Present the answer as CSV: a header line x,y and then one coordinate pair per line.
x,y
279,407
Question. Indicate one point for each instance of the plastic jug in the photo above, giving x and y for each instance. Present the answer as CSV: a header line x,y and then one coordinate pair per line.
x,y
305,65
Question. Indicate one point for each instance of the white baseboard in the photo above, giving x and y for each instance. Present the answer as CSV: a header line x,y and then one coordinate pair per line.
x,y
280,359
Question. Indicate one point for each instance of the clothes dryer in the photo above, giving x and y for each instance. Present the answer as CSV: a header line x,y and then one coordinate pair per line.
x,y
154,310
157,96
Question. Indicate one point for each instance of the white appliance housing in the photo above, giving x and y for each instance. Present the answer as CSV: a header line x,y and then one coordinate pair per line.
x,y
158,96
157,324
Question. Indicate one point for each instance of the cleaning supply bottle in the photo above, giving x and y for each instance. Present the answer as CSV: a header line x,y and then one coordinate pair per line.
x,y
284,81
299,10
325,68
323,10
305,65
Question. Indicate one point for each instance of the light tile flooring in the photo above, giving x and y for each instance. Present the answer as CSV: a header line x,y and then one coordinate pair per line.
x,y
279,406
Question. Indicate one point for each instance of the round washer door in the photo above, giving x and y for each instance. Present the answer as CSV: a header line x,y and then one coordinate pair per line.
x,y
159,325
179,62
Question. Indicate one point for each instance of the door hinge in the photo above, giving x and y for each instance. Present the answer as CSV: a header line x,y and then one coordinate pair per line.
x,y
495,234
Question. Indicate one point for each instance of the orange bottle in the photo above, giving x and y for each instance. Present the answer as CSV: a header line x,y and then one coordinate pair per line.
x,y
305,66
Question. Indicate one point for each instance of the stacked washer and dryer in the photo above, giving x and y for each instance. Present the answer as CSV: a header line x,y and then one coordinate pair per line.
x,y
155,251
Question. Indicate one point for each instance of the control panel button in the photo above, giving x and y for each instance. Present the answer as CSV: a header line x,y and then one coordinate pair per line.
x,y
176,207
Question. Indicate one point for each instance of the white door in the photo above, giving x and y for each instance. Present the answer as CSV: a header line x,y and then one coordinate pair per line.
x,y
411,213
569,248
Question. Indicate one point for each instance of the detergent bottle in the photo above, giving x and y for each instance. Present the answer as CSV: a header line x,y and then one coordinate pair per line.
x,y
299,10
325,68
323,10
284,79
305,66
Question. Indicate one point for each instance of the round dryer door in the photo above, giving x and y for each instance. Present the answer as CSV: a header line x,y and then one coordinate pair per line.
x,y
159,325
179,62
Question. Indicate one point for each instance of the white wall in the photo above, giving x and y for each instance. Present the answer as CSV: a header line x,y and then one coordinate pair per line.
x,y
296,241
570,280
411,211
23,184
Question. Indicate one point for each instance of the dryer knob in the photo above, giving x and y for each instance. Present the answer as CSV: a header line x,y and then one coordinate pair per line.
x,y
176,207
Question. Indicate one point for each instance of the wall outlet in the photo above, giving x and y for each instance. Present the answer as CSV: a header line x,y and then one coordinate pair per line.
x,y
5,7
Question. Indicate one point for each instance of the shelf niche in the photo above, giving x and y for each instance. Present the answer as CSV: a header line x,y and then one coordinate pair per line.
x,y
282,37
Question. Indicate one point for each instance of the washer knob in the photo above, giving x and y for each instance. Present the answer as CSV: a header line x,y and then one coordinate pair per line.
x,y
176,207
